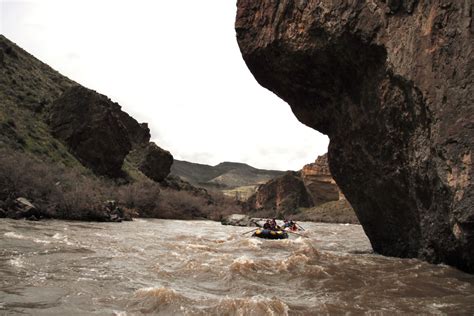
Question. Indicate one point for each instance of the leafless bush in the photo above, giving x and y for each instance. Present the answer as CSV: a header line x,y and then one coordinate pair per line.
x,y
21,175
57,191
223,205
181,205
70,193
142,197
187,205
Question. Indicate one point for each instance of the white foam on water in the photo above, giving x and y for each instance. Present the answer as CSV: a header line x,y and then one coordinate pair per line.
x,y
23,237
14,235
255,305
62,238
17,262
41,241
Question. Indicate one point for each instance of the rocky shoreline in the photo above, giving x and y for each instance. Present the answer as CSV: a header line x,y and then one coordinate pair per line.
x,y
22,208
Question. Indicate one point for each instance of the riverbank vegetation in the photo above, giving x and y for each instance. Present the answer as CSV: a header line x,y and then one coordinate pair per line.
x,y
63,192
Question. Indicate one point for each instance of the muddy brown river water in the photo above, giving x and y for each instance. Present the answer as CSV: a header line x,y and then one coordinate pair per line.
x,y
167,267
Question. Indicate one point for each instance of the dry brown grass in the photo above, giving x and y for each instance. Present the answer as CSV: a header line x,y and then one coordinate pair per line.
x,y
68,193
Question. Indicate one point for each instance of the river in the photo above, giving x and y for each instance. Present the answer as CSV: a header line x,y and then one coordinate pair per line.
x,y
168,267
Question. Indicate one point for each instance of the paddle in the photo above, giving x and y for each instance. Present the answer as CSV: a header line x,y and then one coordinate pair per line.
x,y
300,226
250,231
289,231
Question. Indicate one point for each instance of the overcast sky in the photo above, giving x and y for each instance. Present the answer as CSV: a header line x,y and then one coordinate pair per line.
x,y
173,64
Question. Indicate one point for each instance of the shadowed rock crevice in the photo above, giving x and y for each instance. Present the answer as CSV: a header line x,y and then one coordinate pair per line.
x,y
373,76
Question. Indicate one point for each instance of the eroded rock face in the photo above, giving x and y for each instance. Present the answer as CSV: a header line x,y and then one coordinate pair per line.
x,y
390,83
156,162
91,126
311,186
319,181
283,194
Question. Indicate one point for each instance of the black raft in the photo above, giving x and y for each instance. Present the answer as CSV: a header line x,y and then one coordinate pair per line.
x,y
270,234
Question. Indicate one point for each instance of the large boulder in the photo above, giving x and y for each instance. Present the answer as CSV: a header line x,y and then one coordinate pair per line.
x,y
138,133
284,195
91,126
391,84
156,162
23,208
311,186
240,220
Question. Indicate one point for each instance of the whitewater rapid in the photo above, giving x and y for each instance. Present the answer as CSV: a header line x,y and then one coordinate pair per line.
x,y
168,267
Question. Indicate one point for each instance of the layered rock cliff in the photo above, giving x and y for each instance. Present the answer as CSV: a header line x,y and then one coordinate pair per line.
x,y
311,186
391,84
319,181
284,195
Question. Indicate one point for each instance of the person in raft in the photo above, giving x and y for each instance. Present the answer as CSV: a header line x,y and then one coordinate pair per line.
x,y
274,225
267,224
290,225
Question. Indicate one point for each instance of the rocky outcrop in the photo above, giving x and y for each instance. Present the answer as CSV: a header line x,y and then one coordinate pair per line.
x,y
283,194
156,162
90,124
101,135
240,220
138,133
314,186
22,208
177,184
319,181
391,84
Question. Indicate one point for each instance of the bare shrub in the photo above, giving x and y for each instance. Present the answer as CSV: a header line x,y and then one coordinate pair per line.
x,y
57,191
75,194
223,205
80,197
181,205
141,197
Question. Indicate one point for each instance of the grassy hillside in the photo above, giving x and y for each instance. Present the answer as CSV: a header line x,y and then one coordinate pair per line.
x,y
27,88
37,166
232,178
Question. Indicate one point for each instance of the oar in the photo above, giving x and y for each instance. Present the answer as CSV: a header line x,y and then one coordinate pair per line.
x,y
300,226
297,234
250,231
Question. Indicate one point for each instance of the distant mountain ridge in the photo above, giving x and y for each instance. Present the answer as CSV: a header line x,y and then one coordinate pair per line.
x,y
226,175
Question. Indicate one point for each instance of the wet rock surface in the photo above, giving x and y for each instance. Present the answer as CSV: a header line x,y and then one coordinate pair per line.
x,y
390,83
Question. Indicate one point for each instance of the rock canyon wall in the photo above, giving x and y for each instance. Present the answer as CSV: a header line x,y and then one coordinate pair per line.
x,y
391,84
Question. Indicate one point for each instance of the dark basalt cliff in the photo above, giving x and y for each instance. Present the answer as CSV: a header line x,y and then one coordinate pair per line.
x,y
390,83
156,163
89,123
101,135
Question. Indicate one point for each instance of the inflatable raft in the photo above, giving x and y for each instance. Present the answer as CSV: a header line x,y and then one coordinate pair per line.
x,y
270,234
